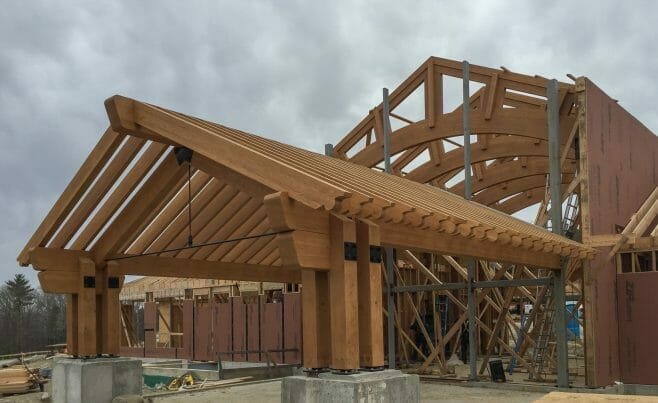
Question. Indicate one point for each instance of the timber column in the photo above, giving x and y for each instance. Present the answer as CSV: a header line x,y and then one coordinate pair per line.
x,y
316,329
369,273
343,283
93,310
86,309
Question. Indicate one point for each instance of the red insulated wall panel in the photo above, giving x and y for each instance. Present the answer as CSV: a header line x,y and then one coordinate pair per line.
x,y
292,327
203,350
638,329
239,328
271,328
223,328
253,328
622,172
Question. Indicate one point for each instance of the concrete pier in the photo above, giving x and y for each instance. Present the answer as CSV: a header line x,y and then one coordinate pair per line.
x,y
381,386
97,380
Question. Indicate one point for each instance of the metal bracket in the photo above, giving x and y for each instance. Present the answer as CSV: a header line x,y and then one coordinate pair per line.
x,y
113,282
373,369
344,371
314,372
350,251
183,154
375,254
89,281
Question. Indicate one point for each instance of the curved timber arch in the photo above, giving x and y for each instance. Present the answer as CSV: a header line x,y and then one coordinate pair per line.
x,y
498,147
524,200
512,122
504,190
507,171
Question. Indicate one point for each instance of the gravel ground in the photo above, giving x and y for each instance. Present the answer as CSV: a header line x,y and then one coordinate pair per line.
x,y
270,392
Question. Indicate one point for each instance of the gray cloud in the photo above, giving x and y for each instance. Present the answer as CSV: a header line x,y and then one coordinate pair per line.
x,y
291,70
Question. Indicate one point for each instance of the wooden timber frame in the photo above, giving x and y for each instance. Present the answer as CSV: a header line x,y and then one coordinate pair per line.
x,y
256,210
510,162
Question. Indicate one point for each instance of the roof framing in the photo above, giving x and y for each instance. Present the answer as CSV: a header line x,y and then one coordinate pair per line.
x,y
132,195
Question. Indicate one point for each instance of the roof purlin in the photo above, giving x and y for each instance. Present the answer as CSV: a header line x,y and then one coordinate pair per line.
x,y
316,180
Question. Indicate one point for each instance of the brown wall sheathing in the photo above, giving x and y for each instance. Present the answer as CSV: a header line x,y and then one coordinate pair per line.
x,y
222,328
203,349
292,327
253,328
161,352
271,328
150,319
239,328
131,351
186,352
229,326
638,329
620,163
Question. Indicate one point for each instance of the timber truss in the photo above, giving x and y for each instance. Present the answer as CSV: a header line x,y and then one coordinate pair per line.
x,y
166,194
510,167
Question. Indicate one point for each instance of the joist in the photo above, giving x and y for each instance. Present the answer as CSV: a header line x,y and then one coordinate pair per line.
x,y
121,160
75,189
639,222
191,268
168,173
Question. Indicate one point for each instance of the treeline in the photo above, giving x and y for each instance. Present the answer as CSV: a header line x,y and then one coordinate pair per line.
x,y
29,319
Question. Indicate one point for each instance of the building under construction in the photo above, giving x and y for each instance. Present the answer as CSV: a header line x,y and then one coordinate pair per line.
x,y
399,247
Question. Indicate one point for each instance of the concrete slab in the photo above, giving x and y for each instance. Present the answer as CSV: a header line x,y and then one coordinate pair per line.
x,y
95,380
382,386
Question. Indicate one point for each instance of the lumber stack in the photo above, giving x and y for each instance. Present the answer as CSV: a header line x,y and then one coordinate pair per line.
x,y
15,380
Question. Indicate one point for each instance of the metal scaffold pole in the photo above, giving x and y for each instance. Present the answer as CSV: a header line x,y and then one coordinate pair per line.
x,y
390,305
470,264
555,178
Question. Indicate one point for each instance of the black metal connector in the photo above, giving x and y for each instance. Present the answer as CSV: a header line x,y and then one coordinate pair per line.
x,y
89,281
344,371
373,369
113,282
375,254
314,372
350,251
183,154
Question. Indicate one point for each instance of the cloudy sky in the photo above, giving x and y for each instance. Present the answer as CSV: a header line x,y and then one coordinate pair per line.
x,y
301,73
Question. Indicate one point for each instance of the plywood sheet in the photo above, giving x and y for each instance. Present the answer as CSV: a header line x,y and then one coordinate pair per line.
x,y
239,328
271,328
222,328
622,171
292,327
253,328
203,348
188,331
638,329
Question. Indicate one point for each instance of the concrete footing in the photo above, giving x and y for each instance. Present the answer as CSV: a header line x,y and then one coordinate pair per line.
x,y
380,386
96,380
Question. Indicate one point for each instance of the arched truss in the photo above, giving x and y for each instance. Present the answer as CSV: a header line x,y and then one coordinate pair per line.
x,y
508,120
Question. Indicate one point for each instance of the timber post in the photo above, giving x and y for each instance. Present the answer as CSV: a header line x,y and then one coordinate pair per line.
x,y
344,295
87,343
369,279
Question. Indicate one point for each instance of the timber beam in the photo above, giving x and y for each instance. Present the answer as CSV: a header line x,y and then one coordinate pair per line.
x,y
60,265
404,237
308,242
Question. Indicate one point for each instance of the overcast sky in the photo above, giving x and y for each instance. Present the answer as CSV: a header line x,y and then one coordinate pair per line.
x,y
300,73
